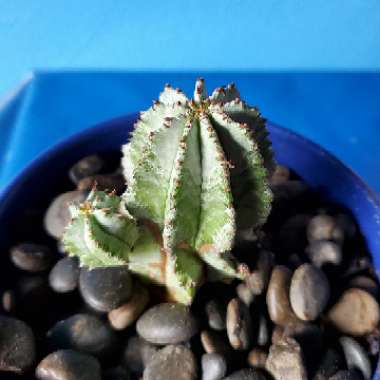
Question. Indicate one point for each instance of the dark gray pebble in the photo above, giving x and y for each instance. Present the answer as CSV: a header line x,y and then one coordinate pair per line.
x,y
17,345
64,275
322,252
86,167
324,227
137,354
82,332
347,224
365,283
107,288
172,362
245,294
32,257
239,325
104,182
68,365
116,373
309,292
331,363
347,375
356,357
214,367
262,331
246,374
292,235
216,315
167,323
58,216
285,361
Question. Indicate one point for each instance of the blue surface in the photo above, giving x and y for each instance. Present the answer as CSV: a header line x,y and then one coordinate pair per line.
x,y
341,112
197,34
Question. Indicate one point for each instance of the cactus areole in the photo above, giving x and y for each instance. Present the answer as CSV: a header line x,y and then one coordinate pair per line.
x,y
197,180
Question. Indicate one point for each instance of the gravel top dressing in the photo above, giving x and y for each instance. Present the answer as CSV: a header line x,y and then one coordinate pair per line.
x,y
195,256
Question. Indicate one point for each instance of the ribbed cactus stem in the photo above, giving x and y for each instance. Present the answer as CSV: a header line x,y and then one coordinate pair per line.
x,y
197,177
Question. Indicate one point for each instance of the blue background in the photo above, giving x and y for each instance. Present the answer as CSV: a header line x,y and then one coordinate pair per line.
x,y
310,66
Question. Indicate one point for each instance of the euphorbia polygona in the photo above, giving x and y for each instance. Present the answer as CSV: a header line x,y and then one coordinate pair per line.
x,y
197,179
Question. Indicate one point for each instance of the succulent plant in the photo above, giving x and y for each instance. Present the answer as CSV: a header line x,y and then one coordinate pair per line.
x,y
197,176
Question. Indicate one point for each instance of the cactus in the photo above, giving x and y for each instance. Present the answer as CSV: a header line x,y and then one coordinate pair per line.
x,y
196,173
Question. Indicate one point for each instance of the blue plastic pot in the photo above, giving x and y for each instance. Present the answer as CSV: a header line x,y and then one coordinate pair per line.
x,y
42,179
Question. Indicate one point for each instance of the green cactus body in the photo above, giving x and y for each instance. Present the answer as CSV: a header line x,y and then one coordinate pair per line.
x,y
196,174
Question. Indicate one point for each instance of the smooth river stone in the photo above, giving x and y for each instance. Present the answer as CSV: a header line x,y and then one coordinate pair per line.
x,y
355,313
324,227
105,289
172,362
285,361
17,345
309,292
246,374
239,325
356,357
68,365
214,367
277,297
167,323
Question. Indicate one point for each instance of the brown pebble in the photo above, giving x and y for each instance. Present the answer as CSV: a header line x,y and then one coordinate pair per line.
x,y
214,342
324,227
9,300
277,297
258,279
365,283
125,315
257,358
355,313
285,361
239,325
244,293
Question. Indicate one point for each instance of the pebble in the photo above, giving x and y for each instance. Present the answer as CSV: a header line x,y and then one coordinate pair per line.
x,y
172,362
347,225
292,235
322,252
258,279
138,354
17,345
239,325
31,257
289,190
244,293
214,367
365,283
355,313
116,373
68,365
216,315
246,374
214,342
257,358
324,227
58,216
105,289
281,174
126,314
309,292
82,332
64,276
285,361
86,167
347,375
167,323
331,363
356,357
8,300
277,296
104,182
262,331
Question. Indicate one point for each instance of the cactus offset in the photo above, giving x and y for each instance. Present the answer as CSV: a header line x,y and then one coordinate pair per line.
x,y
197,175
